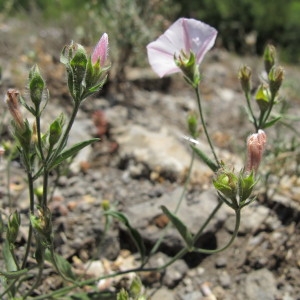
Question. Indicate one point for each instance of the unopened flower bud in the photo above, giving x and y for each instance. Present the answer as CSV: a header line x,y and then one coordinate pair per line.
x,y
12,102
42,225
276,75
101,51
13,226
36,85
188,65
244,76
256,144
34,137
262,97
246,185
227,183
105,205
39,191
55,130
269,57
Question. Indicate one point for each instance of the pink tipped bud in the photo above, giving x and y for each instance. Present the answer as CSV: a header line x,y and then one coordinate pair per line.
x,y
101,50
255,147
12,102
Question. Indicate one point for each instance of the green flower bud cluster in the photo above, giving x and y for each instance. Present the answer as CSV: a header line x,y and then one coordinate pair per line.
x,y
235,189
85,77
42,225
267,93
188,64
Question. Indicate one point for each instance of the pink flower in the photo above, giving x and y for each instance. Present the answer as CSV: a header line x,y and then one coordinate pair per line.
x,y
101,50
255,147
184,35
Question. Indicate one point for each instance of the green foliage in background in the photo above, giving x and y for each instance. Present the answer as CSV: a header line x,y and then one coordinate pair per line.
x,y
244,26
275,21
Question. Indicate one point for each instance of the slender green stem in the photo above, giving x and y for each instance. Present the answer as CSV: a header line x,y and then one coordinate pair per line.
x,y
38,280
204,125
212,214
65,136
159,241
267,114
247,95
39,135
31,211
64,290
234,235
45,189
8,289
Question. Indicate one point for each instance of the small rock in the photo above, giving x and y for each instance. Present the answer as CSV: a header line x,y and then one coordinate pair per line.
x,y
221,262
164,294
260,285
196,295
225,280
175,273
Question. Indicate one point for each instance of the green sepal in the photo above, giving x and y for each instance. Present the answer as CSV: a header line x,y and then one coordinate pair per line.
x,y
135,235
78,65
246,185
180,226
123,295
42,224
23,136
14,222
94,89
227,183
262,98
55,130
135,287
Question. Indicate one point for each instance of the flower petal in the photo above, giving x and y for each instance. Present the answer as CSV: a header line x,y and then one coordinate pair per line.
x,y
200,37
185,34
101,50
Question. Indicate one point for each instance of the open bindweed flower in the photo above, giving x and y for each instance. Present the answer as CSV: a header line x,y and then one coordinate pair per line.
x,y
186,41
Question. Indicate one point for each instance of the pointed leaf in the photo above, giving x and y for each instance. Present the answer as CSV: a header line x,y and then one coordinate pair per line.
x,y
63,265
180,226
205,158
8,258
272,122
135,235
71,151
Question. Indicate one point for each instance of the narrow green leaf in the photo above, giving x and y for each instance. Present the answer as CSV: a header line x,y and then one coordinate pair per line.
x,y
8,258
180,226
64,267
70,152
272,122
135,235
205,159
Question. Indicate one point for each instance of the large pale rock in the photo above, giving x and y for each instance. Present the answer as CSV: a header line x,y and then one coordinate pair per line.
x,y
159,150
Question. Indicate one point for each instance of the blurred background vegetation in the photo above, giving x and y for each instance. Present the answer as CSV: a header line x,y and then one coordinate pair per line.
x,y
245,26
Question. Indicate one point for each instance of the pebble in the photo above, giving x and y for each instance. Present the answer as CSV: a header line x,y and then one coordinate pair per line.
x,y
260,285
221,262
163,294
225,280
